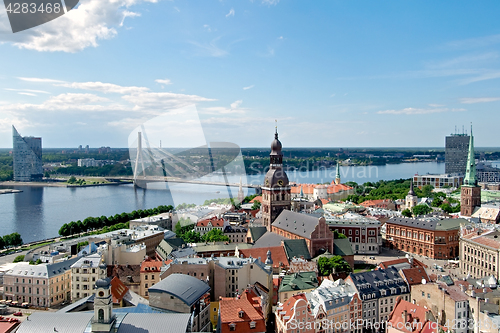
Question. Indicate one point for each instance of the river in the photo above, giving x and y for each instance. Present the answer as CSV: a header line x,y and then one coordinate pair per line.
x,y
38,212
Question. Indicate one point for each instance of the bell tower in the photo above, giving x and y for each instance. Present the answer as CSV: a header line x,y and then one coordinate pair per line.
x,y
104,319
276,195
470,195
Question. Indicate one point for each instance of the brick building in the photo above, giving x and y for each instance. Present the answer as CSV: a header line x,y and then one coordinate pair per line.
x,y
313,230
431,237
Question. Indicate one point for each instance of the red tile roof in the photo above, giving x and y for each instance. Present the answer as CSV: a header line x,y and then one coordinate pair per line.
x,y
249,305
213,220
415,275
257,198
387,264
289,306
8,324
309,188
118,290
149,265
376,203
277,254
415,315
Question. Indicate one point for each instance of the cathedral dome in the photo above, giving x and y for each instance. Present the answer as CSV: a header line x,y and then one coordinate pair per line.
x,y
276,146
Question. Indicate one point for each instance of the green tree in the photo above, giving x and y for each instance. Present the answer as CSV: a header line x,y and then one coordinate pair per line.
x,y
338,235
421,210
72,180
427,190
256,205
324,266
340,265
19,258
215,235
46,174
406,212
2,243
38,261
436,202
191,237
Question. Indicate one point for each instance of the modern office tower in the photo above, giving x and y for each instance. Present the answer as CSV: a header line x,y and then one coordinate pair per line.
x,y
457,148
27,157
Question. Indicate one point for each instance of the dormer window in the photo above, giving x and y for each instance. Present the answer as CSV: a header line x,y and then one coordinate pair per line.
x,y
232,327
241,313
252,324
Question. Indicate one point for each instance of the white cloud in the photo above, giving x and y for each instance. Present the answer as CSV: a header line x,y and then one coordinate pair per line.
x,y
486,76
231,13
103,87
472,100
280,37
82,27
163,81
29,90
436,105
162,100
39,80
413,111
270,2
236,104
249,87
27,94
474,42
67,102
233,109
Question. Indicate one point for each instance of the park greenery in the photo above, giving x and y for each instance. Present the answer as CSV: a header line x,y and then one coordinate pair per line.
x,y
19,258
11,240
338,235
335,264
110,223
189,235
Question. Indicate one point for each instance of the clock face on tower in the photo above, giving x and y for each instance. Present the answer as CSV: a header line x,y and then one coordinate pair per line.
x,y
280,182
267,182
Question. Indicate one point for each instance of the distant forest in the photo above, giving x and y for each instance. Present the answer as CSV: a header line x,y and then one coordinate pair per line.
x,y
255,159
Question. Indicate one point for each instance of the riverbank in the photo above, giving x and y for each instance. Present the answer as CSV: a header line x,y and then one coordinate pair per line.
x,y
8,191
55,184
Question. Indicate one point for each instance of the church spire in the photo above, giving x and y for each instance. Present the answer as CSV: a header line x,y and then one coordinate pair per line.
x,y
470,174
411,192
337,176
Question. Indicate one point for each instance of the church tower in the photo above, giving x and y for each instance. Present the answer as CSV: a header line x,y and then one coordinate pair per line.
x,y
337,176
470,196
276,195
241,194
411,198
104,319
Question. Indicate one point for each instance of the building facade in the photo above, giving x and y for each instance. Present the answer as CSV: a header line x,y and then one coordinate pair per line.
x,y
276,195
150,274
27,159
439,181
431,237
456,147
84,274
363,233
480,252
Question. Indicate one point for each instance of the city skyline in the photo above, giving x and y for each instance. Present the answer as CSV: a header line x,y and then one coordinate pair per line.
x,y
334,74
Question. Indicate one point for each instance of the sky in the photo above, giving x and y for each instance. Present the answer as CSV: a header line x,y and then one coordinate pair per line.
x,y
332,73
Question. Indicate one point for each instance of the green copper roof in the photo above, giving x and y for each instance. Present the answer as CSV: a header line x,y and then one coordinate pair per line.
x,y
470,174
299,281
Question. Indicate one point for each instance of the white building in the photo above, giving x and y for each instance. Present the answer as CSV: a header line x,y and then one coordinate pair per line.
x,y
84,274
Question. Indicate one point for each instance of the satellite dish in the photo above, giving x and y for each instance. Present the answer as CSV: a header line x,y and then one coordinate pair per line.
x,y
424,281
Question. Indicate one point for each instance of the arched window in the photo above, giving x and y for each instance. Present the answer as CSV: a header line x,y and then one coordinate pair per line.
x,y
101,315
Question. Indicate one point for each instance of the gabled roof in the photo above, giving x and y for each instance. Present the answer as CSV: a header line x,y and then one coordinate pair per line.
x,y
299,281
269,239
248,306
214,221
296,248
277,254
185,287
60,267
415,275
149,265
257,232
296,223
118,289
342,247
414,314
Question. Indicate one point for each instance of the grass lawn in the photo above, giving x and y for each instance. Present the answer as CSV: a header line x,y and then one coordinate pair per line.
x,y
363,267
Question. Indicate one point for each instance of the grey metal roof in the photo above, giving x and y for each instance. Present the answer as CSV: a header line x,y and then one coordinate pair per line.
x,y
92,260
342,247
154,323
428,224
185,287
43,322
60,267
373,282
296,248
269,239
296,223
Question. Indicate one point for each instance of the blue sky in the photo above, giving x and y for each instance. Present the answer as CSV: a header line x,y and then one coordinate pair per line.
x,y
333,73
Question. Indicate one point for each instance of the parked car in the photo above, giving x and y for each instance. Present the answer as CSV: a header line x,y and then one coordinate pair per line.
x,y
372,258
18,314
